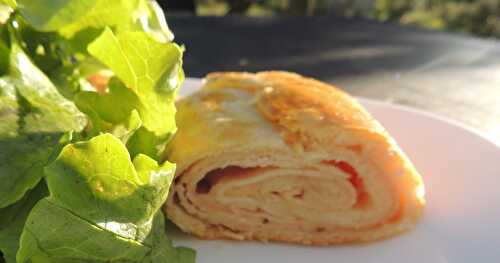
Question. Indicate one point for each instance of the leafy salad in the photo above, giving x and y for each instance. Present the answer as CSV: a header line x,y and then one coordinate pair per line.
x,y
87,94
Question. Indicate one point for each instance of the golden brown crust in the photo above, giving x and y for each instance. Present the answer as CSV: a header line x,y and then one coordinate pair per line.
x,y
287,95
303,108
295,125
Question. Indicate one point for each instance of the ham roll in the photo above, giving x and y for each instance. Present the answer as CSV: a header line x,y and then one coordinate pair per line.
x,y
274,156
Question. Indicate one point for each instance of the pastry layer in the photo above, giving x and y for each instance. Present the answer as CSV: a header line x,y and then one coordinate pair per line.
x,y
279,157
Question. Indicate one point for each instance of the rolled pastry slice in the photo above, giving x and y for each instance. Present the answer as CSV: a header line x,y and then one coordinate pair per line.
x,y
274,156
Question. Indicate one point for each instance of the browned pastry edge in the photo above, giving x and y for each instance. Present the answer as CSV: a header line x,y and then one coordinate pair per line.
x,y
309,116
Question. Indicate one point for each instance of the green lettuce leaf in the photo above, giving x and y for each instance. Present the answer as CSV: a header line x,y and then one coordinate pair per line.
x,y
33,118
114,210
150,69
145,142
104,13
9,109
109,185
88,243
70,17
51,15
48,110
11,3
106,112
21,164
47,50
43,240
152,21
4,58
13,219
96,151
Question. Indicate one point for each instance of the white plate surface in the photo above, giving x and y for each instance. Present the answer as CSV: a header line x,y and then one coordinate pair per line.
x,y
461,171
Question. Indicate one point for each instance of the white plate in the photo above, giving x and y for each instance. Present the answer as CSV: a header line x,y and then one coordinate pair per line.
x,y
461,170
